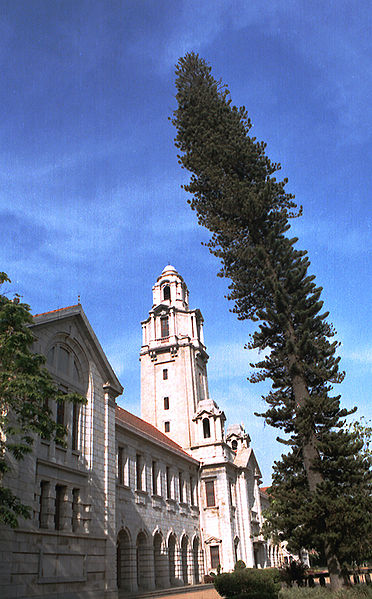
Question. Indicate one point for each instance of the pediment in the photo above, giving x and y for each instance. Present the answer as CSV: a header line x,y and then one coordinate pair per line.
x,y
202,414
72,319
162,309
212,541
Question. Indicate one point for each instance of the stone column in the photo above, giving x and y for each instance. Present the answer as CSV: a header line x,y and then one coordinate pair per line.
x,y
110,489
152,329
66,511
47,505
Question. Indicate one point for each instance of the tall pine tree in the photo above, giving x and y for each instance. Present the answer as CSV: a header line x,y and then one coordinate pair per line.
x,y
238,199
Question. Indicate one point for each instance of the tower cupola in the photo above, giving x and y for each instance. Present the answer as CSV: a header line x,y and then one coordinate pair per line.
x,y
170,289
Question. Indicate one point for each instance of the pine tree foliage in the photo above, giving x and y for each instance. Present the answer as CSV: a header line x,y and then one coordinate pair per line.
x,y
26,391
247,210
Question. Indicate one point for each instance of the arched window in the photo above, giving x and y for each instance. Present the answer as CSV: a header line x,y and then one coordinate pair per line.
x,y
184,560
234,444
142,557
172,559
206,428
166,292
65,363
124,563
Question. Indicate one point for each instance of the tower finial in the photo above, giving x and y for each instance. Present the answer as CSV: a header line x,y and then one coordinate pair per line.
x,y
79,299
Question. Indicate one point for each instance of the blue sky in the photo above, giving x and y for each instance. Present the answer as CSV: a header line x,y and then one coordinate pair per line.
x,y
90,198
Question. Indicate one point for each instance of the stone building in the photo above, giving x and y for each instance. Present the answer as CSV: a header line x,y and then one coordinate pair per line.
x,y
133,503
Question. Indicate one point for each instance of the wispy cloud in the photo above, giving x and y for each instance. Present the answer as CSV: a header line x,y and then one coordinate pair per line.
x,y
338,237
362,355
230,360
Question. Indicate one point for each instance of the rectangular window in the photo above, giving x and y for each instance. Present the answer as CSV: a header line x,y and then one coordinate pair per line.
x,y
60,419
59,504
180,486
215,556
154,478
166,427
209,493
139,471
164,326
75,426
44,491
232,493
165,374
192,500
121,465
168,482
166,403
75,520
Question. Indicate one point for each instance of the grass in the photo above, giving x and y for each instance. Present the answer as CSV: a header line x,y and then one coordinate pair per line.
x,y
356,592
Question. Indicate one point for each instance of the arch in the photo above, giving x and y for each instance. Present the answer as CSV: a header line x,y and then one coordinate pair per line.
x,y
160,560
206,428
172,544
184,560
166,292
78,367
195,559
142,560
123,560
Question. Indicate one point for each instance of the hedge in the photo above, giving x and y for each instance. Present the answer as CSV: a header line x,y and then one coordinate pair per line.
x,y
249,583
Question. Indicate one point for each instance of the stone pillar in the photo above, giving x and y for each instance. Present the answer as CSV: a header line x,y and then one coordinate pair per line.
x,y
47,505
110,489
244,519
153,328
66,511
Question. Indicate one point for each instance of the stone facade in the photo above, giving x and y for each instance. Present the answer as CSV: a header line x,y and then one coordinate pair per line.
x,y
69,544
133,503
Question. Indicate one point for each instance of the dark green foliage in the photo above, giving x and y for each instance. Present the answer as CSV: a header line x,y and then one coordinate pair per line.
x,y
25,390
295,572
239,565
249,583
324,483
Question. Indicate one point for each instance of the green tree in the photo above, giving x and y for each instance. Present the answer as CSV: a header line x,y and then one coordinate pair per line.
x,y
238,199
26,388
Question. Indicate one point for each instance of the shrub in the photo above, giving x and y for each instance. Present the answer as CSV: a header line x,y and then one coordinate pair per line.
x,y
249,583
239,565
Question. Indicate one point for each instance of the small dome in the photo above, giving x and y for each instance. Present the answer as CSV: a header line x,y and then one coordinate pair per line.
x,y
169,268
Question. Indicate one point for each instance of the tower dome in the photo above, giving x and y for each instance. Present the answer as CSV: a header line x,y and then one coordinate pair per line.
x,y
169,268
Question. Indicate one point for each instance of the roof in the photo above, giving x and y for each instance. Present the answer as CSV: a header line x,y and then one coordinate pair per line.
x,y
264,490
57,310
243,456
152,433
77,311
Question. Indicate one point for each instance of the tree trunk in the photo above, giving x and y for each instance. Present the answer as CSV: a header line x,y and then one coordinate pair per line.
x,y
314,478
334,569
309,450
